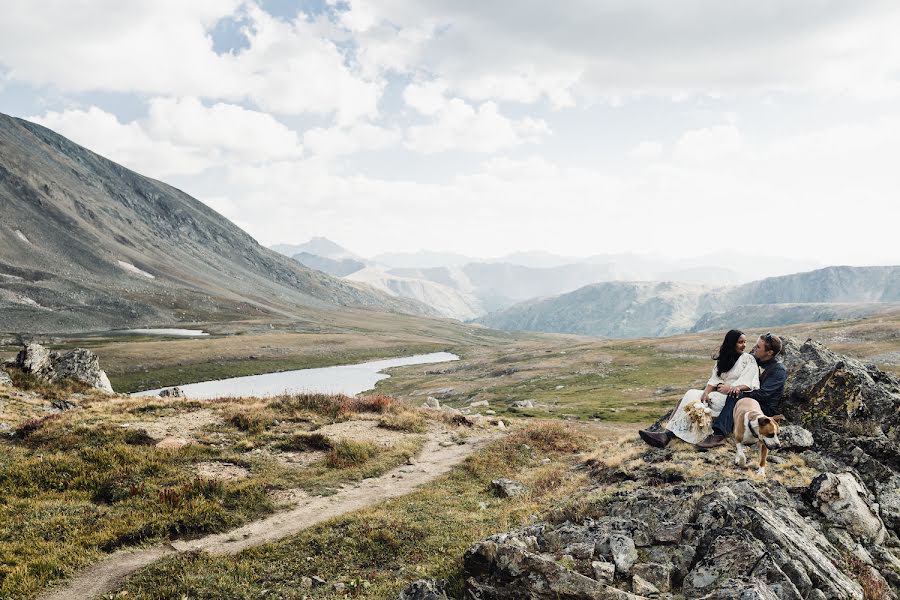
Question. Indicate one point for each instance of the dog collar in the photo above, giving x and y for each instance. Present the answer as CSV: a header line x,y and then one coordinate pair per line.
x,y
753,433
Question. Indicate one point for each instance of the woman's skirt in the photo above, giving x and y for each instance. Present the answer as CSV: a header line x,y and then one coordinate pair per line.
x,y
681,424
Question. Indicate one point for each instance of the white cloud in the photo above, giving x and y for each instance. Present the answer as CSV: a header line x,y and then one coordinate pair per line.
x,y
647,149
427,98
164,48
598,50
125,143
710,143
458,125
336,141
179,137
823,194
249,135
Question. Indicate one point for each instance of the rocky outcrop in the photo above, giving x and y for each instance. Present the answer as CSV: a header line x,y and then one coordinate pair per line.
x,y
720,537
172,392
54,367
425,589
843,500
5,379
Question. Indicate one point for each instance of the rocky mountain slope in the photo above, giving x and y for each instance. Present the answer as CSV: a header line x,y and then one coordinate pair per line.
x,y
88,244
318,246
447,301
634,309
652,529
332,266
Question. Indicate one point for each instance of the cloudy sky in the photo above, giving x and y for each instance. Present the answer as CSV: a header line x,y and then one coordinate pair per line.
x,y
680,128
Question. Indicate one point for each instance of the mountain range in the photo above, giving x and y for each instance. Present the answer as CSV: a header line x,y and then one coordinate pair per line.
x,y
639,309
87,244
624,295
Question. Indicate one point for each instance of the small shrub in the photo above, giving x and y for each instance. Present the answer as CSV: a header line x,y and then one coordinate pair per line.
x,y
873,586
306,441
378,403
409,421
252,421
334,405
551,436
347,453
26,429
547,481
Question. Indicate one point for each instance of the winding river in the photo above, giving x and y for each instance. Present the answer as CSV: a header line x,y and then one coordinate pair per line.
x,y
343,379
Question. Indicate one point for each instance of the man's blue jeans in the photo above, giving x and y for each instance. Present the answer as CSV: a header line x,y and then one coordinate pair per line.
x,y
724,423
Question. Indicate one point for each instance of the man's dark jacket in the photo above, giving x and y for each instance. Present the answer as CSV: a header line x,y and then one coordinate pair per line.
x,y
771,387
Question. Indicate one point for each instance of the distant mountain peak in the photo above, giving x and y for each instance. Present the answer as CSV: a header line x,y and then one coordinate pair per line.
x,y
319,246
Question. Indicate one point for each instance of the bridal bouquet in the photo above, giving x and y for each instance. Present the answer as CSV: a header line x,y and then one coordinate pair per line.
x,y
700,416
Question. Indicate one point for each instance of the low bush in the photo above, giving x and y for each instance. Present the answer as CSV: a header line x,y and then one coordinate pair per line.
x,y
408,420
552,436
333,405
347,453
251,420
305,441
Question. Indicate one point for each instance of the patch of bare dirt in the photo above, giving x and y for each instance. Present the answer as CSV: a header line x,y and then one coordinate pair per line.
x,y
362,430
221,471
183,426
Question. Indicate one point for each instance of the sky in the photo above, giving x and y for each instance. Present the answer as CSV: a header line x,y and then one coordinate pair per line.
x,y
680,128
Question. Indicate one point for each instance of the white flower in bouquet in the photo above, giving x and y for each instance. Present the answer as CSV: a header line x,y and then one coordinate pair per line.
x,y
700,415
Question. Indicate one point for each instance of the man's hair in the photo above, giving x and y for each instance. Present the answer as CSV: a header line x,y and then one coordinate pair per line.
x,y
772,342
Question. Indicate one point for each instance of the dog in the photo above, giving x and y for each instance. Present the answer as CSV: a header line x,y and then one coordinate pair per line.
x,y
752,426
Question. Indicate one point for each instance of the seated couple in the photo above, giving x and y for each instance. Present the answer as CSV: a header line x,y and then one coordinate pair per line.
x,y
758,375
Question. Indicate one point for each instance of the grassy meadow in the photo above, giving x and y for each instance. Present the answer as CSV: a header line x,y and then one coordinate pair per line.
x,y
83,475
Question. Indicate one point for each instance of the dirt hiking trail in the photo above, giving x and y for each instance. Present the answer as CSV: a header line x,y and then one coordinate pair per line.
x,y
437,457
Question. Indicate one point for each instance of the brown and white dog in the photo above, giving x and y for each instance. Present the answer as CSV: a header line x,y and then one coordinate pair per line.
x,y
751,426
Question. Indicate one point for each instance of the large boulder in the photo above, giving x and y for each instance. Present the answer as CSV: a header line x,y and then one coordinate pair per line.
x,y
844,501
794,437
508,567
825,389
711,537
5,379
734,540
54,367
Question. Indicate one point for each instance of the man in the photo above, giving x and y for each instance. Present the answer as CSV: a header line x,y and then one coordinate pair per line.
x,y
771,387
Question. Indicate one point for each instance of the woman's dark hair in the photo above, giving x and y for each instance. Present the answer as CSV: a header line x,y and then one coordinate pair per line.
x,y
727,355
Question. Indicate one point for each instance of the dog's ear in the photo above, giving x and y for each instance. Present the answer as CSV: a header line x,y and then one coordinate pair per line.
x,y
762,421
778,419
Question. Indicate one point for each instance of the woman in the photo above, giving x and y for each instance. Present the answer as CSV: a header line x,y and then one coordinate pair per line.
x,y
734,371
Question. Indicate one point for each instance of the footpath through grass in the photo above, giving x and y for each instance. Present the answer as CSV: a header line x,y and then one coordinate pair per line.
x,y
375,552
78,485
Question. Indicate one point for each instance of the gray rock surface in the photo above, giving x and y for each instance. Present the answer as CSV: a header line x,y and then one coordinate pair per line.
x,y
719,537
5,379
54,367
109,248
794,437
843,500
172,392
508,488
425,589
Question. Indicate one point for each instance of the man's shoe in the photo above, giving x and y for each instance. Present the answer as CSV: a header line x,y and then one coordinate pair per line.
x,y
711,441
657,439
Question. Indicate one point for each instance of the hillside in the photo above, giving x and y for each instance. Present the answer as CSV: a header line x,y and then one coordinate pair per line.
x,y
628,309
88,244
610,309
332,266
447,301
